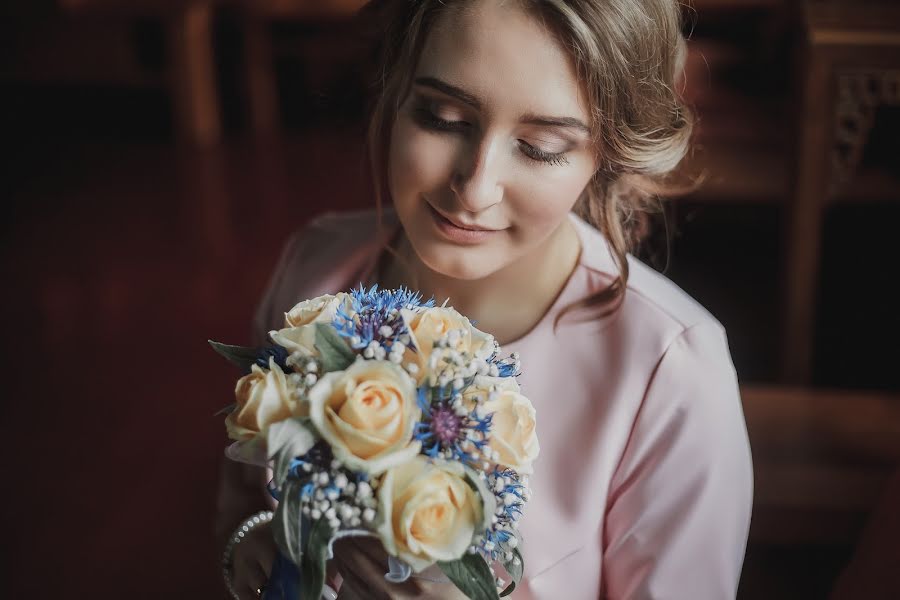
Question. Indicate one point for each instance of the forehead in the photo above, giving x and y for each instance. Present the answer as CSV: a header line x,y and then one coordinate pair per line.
x,y
505,56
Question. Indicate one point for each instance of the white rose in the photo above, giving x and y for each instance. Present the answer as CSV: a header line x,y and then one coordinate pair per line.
x,y
263,397
427,511
513,427
299,333
367,414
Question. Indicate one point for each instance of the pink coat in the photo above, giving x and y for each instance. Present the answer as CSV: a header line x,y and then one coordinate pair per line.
x,y
643,487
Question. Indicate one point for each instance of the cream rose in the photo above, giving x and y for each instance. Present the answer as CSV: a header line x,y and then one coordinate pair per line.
x,y
263,397
427,326
367,414
428,512
513,434
299,332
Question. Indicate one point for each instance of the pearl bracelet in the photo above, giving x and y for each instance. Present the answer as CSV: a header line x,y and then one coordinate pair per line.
x,y
260,518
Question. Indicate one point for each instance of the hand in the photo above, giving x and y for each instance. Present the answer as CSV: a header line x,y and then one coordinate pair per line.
x,y
362,562
252,562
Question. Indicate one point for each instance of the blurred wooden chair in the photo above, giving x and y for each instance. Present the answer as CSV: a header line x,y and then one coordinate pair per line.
x,y
190,71
255,20
874,570
821,461
825,464
92,41
851,65
738,135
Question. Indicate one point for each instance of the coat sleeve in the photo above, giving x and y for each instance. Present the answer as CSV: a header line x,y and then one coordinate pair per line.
x,y
679,509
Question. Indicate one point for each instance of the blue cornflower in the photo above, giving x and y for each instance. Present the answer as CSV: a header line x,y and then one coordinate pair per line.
x,y
505,367
448,431
510,493
374,316
308,489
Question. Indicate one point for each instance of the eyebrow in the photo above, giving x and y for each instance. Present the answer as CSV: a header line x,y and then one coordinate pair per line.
x,y
571,122
473,101
450,90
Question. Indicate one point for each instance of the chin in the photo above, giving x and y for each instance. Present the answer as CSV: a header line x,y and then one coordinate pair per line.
x,y
448,259
470,264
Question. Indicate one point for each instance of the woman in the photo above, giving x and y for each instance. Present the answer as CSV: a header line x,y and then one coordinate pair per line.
x,y
496,120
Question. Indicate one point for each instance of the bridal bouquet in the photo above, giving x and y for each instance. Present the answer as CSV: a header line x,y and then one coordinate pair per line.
x,y
384,415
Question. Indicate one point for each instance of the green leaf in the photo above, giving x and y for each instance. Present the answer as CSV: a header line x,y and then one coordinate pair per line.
x,y
242,356
472,576
336,354
286,525
514,570
226,410
287,440
312,568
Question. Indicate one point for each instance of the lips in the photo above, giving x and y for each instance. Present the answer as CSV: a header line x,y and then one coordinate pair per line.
x,y
460,224
458,233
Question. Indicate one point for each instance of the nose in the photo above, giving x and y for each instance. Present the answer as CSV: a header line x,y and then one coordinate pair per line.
x,y
476,181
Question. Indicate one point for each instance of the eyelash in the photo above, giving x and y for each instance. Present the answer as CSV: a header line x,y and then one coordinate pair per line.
x,y
551,158
430,121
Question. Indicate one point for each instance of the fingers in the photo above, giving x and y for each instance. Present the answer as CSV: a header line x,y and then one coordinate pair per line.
x,y
351,590
351,550
252,564
266,558
362,563
248,578
362,569
372,548
348,592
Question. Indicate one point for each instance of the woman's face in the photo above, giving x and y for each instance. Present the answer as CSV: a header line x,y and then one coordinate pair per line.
x,y
491,149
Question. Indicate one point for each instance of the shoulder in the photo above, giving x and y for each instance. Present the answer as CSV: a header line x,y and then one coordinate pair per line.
x,y
335,233
670,356
330,244
656,313
324,255
654,300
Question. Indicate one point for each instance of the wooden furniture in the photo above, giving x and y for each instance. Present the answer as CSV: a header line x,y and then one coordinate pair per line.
x,y
821,461
93,42
825,465
851,65
189,75
256,18
739,148
874,570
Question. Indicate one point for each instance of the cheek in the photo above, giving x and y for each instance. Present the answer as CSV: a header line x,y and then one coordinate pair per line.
x,y
547,197
420,162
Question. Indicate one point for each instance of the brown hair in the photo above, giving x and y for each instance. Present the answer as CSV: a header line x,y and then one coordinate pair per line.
x,y
628,55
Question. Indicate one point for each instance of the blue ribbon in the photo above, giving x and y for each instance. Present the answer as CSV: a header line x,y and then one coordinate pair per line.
x,y
284,582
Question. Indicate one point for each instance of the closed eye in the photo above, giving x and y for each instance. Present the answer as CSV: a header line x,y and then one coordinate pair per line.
x,y
537,154
426,118
424,114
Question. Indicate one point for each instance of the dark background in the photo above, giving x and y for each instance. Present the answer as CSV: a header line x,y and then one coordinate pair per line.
x,y
136,225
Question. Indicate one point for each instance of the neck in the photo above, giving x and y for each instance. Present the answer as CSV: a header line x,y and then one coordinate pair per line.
x,y
507,303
